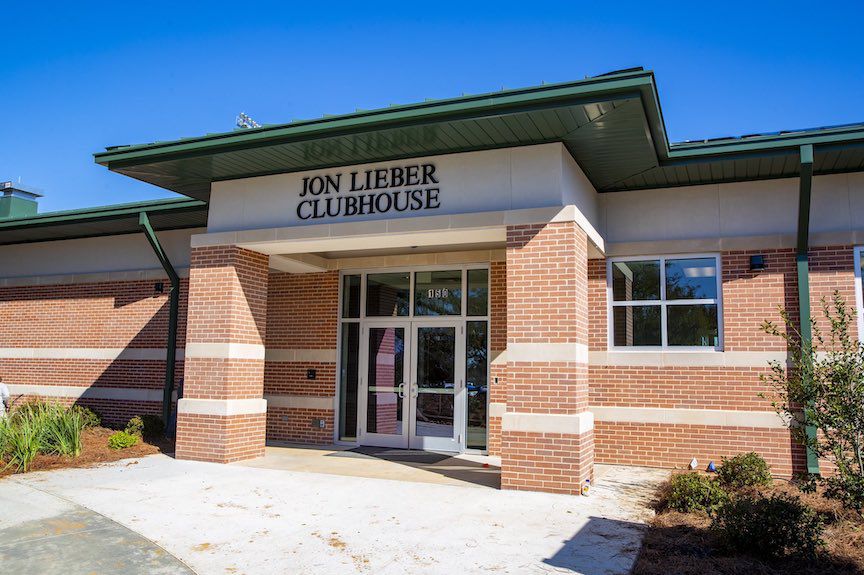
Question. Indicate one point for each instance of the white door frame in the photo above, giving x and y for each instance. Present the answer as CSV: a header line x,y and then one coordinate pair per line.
x,y
456,442
409,321
382,439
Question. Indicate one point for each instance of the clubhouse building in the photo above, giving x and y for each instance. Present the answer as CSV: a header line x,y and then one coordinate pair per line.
x,y
537,274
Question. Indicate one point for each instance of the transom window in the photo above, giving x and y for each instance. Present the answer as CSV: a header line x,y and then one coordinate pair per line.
x,y
665,302
457,292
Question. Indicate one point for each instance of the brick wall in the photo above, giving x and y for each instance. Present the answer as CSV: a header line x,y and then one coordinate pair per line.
x,y
749,298
227,306
497,345
72,319
302,314
831,268
547,304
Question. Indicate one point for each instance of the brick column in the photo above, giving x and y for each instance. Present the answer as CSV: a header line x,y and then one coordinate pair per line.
x,y
547,431
222,415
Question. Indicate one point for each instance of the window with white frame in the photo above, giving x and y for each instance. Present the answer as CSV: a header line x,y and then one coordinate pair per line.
x,y
663,301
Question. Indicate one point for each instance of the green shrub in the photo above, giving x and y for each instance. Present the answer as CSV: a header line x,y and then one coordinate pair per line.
x,y
744,470
38,427
822,385
770,527
153,425
848,488
122,440
20,441
690,492
88,416
135,426
61,431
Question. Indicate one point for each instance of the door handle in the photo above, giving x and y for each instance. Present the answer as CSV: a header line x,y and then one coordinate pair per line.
x,y
400,390
415,391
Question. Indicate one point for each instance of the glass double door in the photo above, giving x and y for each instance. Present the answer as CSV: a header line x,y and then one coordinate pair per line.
x,y
412,388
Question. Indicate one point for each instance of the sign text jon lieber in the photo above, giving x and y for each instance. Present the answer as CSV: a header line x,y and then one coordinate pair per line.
x,y
376,191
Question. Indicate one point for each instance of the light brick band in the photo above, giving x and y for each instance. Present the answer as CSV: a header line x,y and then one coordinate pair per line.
x,y
222,407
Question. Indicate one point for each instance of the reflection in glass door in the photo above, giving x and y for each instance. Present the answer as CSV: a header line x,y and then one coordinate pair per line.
x,y
437,389
384,386
414,363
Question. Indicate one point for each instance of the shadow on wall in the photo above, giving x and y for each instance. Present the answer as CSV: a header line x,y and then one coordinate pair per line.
x,y
67,317
602,547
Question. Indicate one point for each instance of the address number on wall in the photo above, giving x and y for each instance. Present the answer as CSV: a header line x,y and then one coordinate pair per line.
x,y
438,293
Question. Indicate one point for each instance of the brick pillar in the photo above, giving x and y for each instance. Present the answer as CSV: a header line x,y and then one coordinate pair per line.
x,y
222,415
547,431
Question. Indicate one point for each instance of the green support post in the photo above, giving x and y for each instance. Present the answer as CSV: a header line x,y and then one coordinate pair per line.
x,y
173,313
803,268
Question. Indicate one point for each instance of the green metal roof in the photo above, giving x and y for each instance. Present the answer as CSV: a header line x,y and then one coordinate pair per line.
x,y
611,124
593,117
178,213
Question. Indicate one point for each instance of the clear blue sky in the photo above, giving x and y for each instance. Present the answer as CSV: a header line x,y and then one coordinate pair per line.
x,y
81,76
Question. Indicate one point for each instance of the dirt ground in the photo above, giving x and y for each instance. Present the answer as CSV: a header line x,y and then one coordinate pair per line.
x,y
95,450
683,543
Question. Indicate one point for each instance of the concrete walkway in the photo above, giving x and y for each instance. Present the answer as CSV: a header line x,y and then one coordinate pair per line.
x,y
238,519
42,533
383,463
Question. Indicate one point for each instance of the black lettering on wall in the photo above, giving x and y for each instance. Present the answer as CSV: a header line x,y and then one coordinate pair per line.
x,y
398,188
429,174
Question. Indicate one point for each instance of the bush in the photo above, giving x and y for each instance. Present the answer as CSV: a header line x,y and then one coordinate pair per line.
x,y
39,427
690,492
122,440
822,388
848,488
20,440
770,527
153,425
744,470
61,432
88,416
135,426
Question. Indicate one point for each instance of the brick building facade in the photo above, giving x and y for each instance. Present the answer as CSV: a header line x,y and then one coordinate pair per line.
x,y
553,290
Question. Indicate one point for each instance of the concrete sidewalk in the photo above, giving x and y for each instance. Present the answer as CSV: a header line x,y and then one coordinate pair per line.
x,y
237,519
42,533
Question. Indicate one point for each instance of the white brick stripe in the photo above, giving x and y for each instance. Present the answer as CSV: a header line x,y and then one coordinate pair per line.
x,y
94,353
551,352
571,424
110,393
307,355
663,416
225,350
300,402
497,409
222,407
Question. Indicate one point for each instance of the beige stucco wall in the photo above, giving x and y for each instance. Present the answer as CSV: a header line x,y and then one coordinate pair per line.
x,y
488,181
736,211
129,252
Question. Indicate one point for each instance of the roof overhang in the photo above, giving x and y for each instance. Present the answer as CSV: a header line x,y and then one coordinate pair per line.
x,y
612,125
171,214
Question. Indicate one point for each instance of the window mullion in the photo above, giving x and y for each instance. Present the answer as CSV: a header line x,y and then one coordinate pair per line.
x,y
664,340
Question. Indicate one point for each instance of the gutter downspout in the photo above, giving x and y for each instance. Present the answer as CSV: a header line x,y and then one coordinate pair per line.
x,y
173,313
803,267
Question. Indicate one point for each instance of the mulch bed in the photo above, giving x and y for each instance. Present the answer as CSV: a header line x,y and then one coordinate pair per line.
x,y
683,544
95,450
